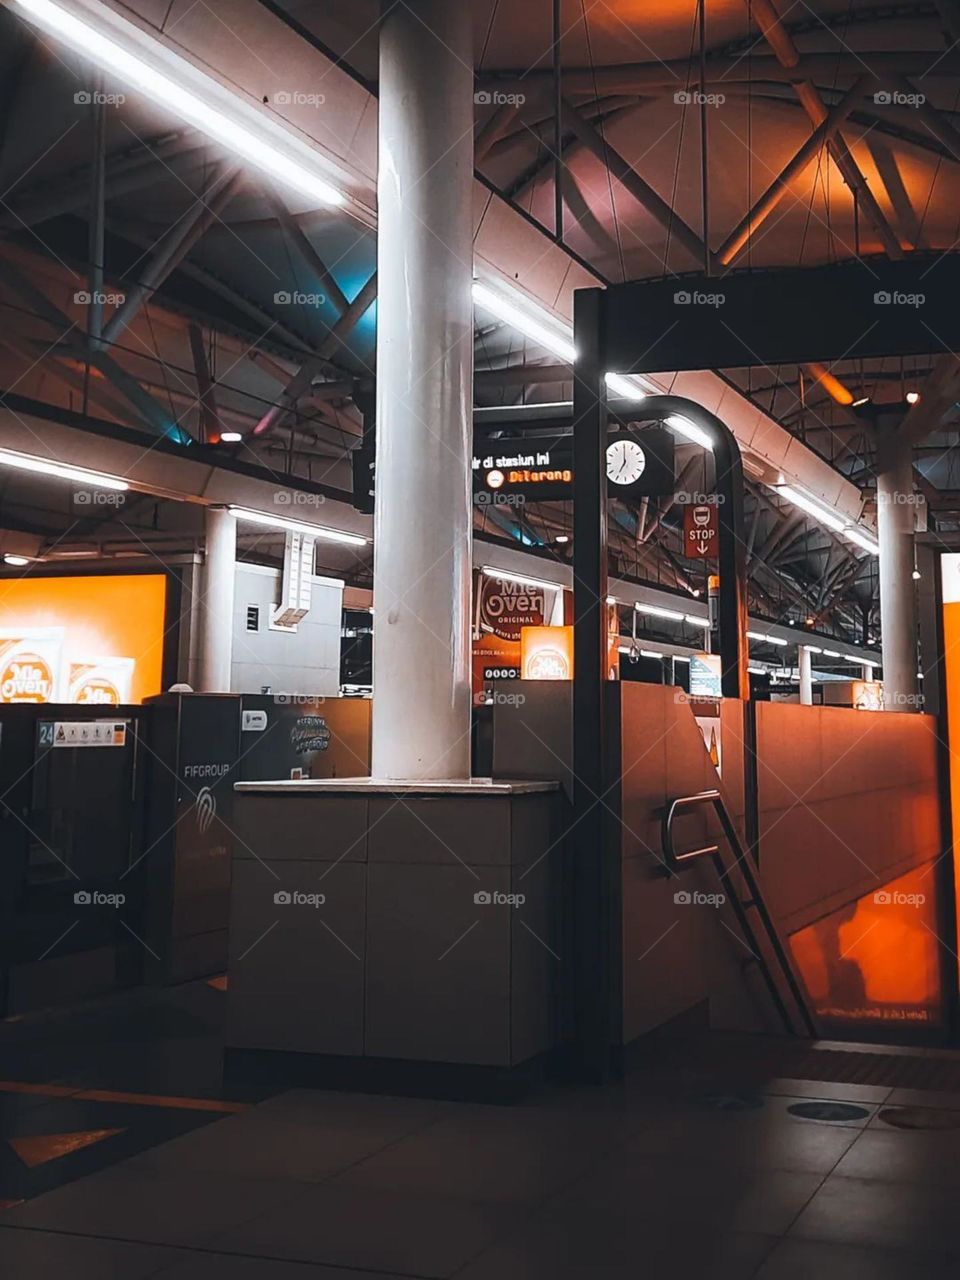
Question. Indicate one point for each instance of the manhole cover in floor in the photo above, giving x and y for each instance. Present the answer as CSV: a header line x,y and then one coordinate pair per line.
x,y
921,1118
731,1101
836,1112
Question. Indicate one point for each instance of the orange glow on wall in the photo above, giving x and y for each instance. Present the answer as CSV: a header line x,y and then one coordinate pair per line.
x,y
546,653
86,640
877,958
950,580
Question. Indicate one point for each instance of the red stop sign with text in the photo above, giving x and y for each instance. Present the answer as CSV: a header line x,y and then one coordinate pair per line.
x,y
700,530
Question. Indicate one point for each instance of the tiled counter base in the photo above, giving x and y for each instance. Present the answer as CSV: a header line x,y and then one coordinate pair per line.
x,y
411,922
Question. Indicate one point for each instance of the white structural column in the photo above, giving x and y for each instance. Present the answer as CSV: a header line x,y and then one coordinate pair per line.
x,y
898,604
805,665
423,519
215,605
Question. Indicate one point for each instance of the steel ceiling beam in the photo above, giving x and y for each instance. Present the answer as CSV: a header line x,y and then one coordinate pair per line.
x,y
631,181
174,246
126,173
206,393
743,232
354,313
152,413
787,54
307,253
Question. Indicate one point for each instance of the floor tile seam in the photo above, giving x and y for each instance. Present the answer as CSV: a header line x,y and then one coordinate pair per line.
x,y
211,1252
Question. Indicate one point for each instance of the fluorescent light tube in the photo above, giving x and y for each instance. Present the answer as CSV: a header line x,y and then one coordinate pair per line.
x,y
194,97
684,427
813,508
297,526
697,622
855,534
491,571
627,387
767,639
519,313
62,470
654,611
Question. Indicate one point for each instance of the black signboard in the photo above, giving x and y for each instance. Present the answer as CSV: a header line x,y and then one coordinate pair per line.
x,y
640,464
532,470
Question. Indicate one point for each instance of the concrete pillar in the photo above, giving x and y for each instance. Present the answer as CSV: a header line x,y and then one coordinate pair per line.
x,y
806,675
898,606
423,513
215,605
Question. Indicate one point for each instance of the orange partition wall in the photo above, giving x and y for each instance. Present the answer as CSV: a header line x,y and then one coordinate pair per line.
x,y
89,639
950,582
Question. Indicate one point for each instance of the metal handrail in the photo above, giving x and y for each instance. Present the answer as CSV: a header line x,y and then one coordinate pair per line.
x,y
676,862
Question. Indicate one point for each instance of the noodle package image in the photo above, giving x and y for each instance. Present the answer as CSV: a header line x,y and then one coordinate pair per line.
x,y
101,681
30,664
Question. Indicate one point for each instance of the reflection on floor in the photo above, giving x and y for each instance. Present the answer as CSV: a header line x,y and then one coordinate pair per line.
x,y
701,1164
86,1088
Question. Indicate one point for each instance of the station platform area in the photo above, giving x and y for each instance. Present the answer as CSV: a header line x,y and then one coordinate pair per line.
x,y
122,1156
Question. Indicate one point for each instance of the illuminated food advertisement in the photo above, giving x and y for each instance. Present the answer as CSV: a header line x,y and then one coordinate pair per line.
x,y
546,653
88,640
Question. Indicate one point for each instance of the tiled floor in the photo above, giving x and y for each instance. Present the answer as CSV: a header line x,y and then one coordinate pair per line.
x,y
684,1170
618,1183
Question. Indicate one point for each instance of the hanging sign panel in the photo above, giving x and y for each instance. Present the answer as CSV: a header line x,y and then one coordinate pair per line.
x,y
639,464
701,531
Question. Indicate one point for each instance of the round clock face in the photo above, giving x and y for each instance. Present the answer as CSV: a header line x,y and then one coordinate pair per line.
x,y
625,461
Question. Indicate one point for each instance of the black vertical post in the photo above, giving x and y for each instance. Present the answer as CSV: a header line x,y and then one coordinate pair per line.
x,y
732,557
592,885
557,123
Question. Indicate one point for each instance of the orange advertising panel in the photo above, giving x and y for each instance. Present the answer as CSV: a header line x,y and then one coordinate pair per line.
x,y
86,640
503,607
546,653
